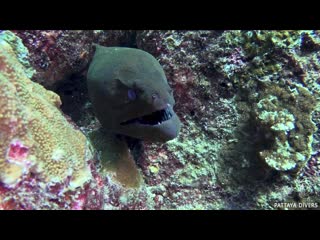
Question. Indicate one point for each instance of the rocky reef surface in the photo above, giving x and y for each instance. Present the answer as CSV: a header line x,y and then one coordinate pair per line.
x,y
248,102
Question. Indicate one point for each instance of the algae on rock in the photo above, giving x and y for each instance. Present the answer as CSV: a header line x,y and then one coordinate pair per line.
x,y
19,49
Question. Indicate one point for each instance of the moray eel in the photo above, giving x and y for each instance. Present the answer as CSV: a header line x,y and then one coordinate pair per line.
x,y
130,94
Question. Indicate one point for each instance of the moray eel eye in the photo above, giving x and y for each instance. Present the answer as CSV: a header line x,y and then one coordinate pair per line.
x,y
132,95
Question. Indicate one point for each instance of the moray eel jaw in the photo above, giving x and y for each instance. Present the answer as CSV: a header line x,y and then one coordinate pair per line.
x,y
159,126
155,118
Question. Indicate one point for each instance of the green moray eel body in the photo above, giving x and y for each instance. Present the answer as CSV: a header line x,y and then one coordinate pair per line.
x,y
130,94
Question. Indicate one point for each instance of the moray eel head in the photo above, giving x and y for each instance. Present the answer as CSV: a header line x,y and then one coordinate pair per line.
x,y
130,94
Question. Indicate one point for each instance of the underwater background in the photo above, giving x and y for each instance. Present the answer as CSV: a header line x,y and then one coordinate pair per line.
x,y
248,102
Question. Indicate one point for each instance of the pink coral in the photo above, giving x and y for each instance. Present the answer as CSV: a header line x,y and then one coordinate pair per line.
x,y
17,151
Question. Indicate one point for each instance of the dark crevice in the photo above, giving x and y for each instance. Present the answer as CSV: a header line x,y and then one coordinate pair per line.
x,y
74,96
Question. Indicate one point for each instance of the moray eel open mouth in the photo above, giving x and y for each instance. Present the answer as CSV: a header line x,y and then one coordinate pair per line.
x,y
155,118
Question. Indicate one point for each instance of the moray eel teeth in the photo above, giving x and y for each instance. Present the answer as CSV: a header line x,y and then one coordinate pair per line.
x,y
155,118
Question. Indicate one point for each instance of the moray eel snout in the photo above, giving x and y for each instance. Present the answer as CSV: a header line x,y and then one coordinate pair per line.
x,y
130,94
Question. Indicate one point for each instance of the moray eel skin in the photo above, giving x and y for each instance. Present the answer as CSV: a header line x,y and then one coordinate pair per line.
x,y
130,94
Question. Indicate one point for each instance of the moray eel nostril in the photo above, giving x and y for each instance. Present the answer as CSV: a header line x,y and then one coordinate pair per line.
x,y
130,94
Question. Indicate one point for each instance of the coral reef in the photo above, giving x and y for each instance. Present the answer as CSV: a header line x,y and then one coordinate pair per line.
x,y
249,106
40,150
210,67
285,62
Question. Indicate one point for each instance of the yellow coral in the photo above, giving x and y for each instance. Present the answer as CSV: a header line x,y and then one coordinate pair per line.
x,y
30,118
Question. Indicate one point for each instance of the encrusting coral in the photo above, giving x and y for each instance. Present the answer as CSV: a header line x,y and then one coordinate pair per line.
x,y
285,116
277,71
35,137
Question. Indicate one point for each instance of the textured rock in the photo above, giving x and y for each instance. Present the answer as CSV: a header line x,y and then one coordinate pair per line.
x,y
57,54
